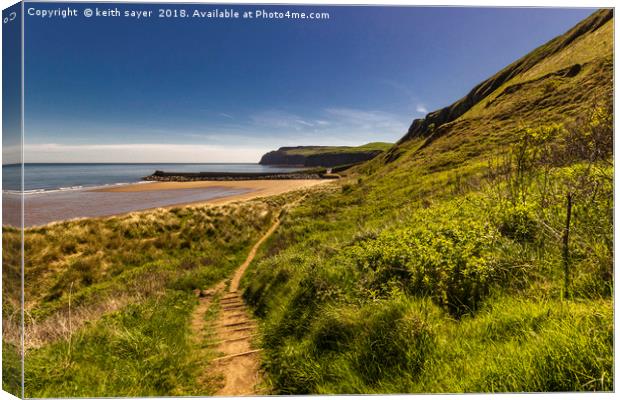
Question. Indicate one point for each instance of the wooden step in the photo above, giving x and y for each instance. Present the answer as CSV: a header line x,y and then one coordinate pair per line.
x,y
235,307
245,353
236,324
245,328
235,339
231,304
236,315
227,301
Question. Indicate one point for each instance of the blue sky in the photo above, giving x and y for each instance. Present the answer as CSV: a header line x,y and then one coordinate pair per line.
x,y
206,90
11,86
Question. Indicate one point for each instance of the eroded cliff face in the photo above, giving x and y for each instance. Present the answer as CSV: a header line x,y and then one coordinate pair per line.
x,y
427,126
327,159
280,157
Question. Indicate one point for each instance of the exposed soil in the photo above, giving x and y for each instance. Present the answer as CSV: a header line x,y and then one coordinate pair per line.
x,y
234,285
237,363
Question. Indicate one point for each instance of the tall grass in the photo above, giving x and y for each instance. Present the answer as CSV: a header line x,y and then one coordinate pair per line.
x,y
108,300
456,284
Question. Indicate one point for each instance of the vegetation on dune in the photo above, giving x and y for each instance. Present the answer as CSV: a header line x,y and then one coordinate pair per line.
x,y
108,300
11,310
141,350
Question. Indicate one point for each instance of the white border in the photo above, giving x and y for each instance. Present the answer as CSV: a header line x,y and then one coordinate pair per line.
x,y
466,3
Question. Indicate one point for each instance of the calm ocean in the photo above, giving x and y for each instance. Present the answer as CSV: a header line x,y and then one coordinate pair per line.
x,y
56,192
52,177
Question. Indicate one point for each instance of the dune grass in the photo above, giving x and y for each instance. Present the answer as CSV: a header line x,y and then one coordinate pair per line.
x,y
11,310
108,300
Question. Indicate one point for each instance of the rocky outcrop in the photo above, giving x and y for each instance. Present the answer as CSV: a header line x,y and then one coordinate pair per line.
x,y
320,159
281,157
427,126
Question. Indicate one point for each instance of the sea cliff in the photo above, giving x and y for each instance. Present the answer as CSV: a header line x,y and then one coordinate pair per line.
x,y
323,156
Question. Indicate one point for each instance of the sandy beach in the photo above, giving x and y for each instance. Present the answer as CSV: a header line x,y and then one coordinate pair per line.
x,y
47,207
253,188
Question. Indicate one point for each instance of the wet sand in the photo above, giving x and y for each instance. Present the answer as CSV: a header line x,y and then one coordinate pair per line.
x,y
47,207
257,188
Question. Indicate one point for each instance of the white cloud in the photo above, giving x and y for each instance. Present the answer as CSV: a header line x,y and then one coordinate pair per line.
x,y
140,153
244,139
276,119
357,120
337,121
421,109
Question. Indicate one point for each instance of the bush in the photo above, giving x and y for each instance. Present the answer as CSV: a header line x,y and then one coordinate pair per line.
x,y
455,266
334,330
518,223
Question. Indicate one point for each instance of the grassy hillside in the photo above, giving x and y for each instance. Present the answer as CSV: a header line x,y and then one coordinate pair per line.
x,y
476,255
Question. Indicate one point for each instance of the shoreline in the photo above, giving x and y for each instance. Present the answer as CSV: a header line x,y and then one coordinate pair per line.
x,y
126,199
257,188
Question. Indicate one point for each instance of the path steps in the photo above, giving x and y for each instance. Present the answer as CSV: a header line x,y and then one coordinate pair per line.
x,y
238,362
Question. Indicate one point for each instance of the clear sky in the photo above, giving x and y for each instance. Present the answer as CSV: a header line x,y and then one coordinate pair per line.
x,y
113,89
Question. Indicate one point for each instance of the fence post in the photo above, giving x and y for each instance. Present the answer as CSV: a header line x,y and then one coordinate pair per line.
x,y
565,253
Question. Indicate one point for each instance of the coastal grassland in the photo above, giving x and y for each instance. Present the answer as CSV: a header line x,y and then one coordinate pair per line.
x,y
450,269
108,300
11,309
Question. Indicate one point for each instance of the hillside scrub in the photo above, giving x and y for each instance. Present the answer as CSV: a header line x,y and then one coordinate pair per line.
x,y
466,272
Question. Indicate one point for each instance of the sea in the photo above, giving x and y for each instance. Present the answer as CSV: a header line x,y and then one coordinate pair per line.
x,y
61,177
58,192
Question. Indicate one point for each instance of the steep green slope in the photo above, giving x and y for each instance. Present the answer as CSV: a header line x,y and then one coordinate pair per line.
x,y
452,263
562,57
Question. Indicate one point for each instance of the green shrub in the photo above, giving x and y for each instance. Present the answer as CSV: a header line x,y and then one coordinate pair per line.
x,y
11,369
455,266
518,223
334,330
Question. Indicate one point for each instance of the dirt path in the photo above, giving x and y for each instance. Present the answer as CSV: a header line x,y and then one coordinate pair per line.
x,y
238,362
234,284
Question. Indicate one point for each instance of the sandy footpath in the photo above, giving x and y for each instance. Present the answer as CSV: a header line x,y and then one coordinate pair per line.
x,y
260,188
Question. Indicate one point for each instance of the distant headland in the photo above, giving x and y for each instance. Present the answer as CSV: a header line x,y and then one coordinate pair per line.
x,y
320,162
324,156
